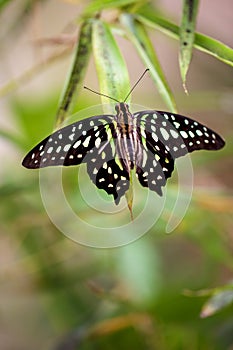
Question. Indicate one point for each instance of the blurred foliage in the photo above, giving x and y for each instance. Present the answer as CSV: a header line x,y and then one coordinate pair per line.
x,y
155,293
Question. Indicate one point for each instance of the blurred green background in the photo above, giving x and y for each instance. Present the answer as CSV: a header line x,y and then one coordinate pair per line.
x,y
56,294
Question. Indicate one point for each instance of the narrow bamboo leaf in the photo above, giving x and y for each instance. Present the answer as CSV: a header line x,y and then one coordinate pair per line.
x,y
98,5
112,73
202,42
187,36
78,69
111,68
31,72
140,39
217,302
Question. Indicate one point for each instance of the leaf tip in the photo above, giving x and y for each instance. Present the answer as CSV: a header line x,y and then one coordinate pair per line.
x,y
207,311
185,88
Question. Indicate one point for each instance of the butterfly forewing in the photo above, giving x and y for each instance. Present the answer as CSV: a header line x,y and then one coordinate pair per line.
x,y
179,134
70,145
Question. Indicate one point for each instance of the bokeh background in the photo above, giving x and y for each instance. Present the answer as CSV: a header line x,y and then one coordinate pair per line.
x,y
56,294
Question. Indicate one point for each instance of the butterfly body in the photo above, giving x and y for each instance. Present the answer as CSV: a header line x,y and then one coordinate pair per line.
x,y
112,145
128,147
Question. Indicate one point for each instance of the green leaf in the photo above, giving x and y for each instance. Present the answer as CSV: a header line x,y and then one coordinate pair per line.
x,y
34,117
187,36
12,138
78,69
217,302
111,68
201,42
139,37
3,3
219,298
134,264
98,5
112,73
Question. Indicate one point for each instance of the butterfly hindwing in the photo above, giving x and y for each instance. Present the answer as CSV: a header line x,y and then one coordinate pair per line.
x,y
156,163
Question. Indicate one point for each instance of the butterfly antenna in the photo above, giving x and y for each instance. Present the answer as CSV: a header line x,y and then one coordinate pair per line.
x,y
136,83
100,94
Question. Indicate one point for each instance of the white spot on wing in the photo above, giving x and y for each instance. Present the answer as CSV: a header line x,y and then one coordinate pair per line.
x,y
71,137
58,149
184,134
50,150
164,133
97,142
86,142
153,128
191,133
155,137
198,132
174,133
66,148
77,143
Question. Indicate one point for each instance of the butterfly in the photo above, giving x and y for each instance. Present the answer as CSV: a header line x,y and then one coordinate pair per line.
x,y
114,144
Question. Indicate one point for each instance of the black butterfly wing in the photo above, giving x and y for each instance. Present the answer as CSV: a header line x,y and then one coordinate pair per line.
x,y
156,163
70,145
106,170
164,137
87,141
180,134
